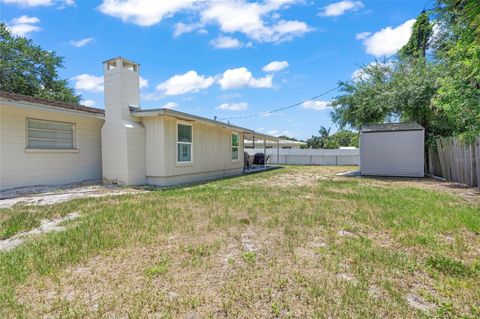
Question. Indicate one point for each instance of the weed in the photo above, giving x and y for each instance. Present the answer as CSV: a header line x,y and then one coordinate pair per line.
x,y
250,257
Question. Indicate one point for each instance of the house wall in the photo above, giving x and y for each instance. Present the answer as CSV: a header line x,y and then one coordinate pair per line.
x,y
211,152
20,167
392,153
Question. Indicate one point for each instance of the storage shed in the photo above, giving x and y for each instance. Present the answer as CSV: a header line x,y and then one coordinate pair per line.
x,y
393,149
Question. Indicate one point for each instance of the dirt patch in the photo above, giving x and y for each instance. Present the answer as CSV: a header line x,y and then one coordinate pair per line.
x,y
468,193
49,195
419,303
46,226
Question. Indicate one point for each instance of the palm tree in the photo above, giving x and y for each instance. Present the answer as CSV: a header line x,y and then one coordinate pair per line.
x,y
324,132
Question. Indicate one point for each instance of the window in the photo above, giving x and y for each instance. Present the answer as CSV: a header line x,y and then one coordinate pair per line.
x,y
49,135
235,146
184,143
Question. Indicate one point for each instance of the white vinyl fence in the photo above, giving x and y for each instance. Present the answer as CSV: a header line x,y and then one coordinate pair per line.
x,y
311,157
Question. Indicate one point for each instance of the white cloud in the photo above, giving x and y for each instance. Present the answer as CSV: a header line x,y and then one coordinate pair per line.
x,y
258,21
316,105
144,12
189,82
338,8
81,43
29,3
89,103
275,66
223,42
250,18
388,40
143,83
23,25
362,35
233,106
170,105
87,82
241,77
181,28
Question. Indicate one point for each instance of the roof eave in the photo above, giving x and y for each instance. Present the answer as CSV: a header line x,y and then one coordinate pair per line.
x,y
43,107
186,116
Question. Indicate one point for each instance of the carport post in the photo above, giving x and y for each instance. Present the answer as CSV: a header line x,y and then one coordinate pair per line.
x,y
264,152
278,152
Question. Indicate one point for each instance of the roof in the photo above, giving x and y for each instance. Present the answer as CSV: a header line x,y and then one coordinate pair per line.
x,y
391,127
186,116
282,141
57,104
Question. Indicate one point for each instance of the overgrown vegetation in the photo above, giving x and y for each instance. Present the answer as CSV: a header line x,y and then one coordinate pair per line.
x,y
26,68
335,140
253,246
433,80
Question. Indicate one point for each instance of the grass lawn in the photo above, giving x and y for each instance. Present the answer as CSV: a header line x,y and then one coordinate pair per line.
x,y
295,242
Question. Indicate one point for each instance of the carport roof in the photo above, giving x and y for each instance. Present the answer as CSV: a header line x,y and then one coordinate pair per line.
x,y
391,127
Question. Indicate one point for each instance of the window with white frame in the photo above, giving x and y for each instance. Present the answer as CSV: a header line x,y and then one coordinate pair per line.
x,y
50,135
235,146
184,143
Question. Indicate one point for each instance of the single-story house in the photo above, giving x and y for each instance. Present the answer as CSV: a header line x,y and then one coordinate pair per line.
x,y
282,144
46,142
392,149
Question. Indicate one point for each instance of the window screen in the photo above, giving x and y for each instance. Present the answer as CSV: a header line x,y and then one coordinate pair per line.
x,y
235,145
184,143
50,135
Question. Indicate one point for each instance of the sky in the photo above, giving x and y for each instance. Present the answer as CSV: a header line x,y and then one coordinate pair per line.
x,y
229,58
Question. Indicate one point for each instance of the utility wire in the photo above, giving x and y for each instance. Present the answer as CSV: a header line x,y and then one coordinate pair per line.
x,y
316,96
301,102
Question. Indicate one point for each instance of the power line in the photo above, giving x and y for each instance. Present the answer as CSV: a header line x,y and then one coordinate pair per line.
x,y
316,96
301,102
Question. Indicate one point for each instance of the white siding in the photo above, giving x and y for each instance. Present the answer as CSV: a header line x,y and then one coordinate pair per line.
x,y
392,153
20,167
211,152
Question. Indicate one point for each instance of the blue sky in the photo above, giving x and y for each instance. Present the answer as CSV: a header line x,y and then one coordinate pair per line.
x,y
212,57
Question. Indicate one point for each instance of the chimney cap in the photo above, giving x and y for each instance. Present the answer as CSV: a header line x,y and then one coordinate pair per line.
x,y
120,58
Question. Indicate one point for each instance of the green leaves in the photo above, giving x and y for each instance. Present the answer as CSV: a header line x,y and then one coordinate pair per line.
x,y
432,81
26,68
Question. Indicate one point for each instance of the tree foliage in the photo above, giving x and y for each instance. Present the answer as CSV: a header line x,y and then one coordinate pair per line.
x,y
325,140
433,80
26,68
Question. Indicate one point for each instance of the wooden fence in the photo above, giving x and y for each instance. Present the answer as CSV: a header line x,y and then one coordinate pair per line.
x,y
456,161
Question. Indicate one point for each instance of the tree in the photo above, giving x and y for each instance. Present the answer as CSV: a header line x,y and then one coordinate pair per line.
x,y
325,140
342,138
316,142
288,138
417,45
366,100
458,51
324,132
26,68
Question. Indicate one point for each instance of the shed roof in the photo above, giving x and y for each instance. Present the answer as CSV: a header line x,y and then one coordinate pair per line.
x,y
391,127
56,104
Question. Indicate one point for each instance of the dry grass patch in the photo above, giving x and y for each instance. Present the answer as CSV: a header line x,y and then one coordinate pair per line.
x,y
242,248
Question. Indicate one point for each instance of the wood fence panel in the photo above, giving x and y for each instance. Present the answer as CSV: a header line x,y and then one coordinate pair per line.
x,y
459,162
477,160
